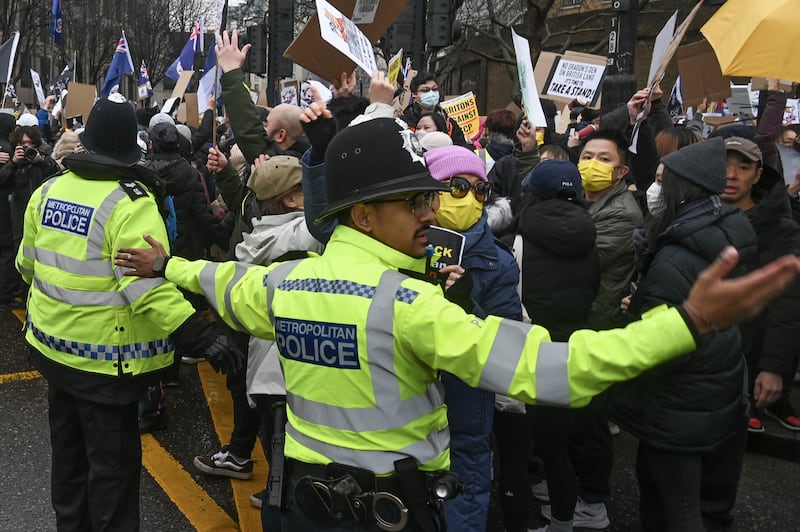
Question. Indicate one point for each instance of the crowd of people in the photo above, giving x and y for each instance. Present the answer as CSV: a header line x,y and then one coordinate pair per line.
x,y
305,231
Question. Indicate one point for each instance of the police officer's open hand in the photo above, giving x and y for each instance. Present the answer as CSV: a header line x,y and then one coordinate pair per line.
x,y
139,261
716,303
223,355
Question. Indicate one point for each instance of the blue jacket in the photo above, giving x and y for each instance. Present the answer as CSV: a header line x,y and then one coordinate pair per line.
x,y
470,411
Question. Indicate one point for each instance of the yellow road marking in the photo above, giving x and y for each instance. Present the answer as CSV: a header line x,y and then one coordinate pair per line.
x,y
198,507
20,376
221,407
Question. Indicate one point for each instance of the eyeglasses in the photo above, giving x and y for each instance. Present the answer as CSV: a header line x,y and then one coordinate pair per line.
x,y
425,89
460,187
418,202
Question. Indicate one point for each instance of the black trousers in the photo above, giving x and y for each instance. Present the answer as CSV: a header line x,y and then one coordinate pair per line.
x,y
688,492
96,462
246,420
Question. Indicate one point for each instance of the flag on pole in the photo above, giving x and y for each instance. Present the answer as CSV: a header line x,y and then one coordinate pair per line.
x,y
220,15
56,22
185,61
121,64
144,81
206,85
8,50
11,92
60,83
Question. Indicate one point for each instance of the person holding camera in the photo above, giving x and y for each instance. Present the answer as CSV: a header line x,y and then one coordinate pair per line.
x,y
27,169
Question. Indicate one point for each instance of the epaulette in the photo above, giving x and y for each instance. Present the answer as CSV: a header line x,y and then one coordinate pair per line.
x,y
133,189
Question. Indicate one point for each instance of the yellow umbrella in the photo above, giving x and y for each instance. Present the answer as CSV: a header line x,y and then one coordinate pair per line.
x,y
756,38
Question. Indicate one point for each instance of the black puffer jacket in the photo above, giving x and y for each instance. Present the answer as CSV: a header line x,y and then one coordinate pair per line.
x,y
692,403
197,227
560,266
770,340
7,125
21,180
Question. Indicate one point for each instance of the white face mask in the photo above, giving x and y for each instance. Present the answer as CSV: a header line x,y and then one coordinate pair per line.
x,y
655,202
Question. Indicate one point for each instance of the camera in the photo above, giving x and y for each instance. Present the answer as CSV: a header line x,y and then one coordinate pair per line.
x,y
30,152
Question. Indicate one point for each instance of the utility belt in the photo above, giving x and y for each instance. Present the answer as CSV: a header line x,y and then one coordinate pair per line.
x,y
329,494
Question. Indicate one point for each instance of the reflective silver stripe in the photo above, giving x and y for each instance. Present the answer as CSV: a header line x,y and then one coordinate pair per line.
x,y
25,271
207,284
504,356
273,279
93,267
98,230
380,462
80,298
140,287
45,187
103,352
390,410
241,269
552,377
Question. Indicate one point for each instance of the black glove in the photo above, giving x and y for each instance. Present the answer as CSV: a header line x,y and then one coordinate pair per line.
x,y
460,292
224,355
319,133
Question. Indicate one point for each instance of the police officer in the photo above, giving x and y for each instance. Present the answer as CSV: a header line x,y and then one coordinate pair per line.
x,y
362,336
98,337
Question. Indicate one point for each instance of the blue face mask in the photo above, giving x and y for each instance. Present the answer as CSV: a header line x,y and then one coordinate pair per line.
x,y
429,99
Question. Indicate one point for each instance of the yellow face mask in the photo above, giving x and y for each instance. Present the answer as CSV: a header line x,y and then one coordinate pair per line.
x,y
458,214
595,175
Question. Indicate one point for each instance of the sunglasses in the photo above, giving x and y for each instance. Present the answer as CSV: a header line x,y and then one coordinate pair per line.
x,y
460,187
418,202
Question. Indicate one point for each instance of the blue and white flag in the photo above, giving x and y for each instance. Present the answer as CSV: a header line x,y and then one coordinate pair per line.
x,y
185,61
206,86
56,22
145,88
121,64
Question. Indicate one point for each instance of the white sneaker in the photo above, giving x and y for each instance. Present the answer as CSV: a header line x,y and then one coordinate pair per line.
x,y
540,491
587,515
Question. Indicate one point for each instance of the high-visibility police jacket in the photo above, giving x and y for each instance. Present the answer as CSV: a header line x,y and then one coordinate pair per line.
x,y
82,312
361,345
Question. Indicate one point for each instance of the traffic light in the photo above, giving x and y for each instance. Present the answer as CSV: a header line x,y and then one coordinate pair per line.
x,y
257,56
440,23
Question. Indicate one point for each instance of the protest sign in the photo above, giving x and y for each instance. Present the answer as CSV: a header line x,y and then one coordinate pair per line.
x,y
448,249
570,79
661,45
312,52
81,99
464,110
527,84
342,33
402,101
37,85
192,112
791,113
790,161
290,91
701,77
740,102
182,83
395,63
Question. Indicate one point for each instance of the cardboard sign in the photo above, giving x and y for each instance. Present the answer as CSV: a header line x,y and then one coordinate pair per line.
x,y
182,83
701,75
740,103
547,62
312,52
464,110
448,249
192,111
81,99
570,79
290,91
760,84
661,45
343,34
527,83
404,98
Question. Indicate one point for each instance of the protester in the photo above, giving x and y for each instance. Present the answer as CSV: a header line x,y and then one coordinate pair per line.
x,y
426,98
688,414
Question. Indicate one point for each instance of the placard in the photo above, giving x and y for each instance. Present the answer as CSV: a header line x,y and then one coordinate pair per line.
x,y
81,99
661,45
464,110
395,63
182,83
290,91
570,79
701,75
527,83
343,34
37,85
312,52
448,249
192,109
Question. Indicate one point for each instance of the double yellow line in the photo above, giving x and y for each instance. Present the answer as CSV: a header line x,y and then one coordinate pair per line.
x,y
189,497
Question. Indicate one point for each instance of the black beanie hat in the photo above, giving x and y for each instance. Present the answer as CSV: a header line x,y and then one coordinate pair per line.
x,y
703,163
372,159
